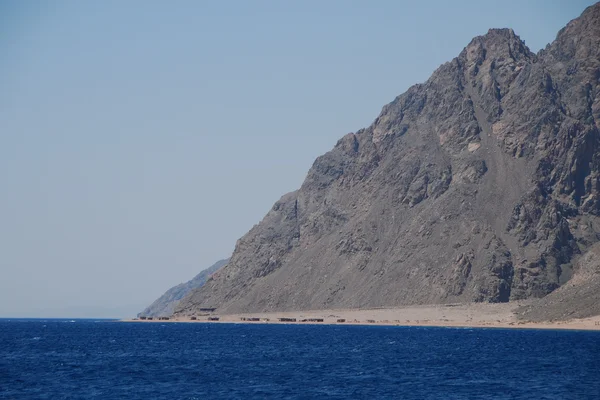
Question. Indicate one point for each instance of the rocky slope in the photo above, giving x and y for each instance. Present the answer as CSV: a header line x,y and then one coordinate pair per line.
x,y
578,298
480,185
165,304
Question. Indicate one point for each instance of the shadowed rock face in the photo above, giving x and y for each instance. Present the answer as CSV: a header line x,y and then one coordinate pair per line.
x,y
481,184
165,304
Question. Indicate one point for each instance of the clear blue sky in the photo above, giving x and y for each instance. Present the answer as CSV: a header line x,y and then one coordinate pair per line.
x,y
140,139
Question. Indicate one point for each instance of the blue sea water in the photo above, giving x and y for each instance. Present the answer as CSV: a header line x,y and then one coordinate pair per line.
x,y
85,359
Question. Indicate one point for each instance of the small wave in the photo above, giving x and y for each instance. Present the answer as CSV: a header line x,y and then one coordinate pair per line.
x,y
36,338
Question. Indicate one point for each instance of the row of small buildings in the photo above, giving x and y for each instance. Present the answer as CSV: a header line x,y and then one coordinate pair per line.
x,y
249,319
282,319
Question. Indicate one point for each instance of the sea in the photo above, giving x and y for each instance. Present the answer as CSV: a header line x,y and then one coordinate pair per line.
x,y
101,359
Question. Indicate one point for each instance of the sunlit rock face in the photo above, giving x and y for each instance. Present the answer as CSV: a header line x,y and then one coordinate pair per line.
x,y
480,185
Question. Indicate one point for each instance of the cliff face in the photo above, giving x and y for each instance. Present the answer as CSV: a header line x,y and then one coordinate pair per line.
x,y
481,184
165,304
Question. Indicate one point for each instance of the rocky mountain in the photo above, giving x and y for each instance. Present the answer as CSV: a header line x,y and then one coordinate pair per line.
x,y
480,185
165,304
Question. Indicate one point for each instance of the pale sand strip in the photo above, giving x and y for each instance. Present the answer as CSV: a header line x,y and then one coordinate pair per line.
x,y
454,315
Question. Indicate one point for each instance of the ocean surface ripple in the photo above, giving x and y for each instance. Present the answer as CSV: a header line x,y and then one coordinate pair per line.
x,y
87,359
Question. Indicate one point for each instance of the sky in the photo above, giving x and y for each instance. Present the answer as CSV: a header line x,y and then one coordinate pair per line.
x,y
140,139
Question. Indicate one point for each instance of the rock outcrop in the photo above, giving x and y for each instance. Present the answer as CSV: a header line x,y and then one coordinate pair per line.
x,y
480,185
165,304
578,298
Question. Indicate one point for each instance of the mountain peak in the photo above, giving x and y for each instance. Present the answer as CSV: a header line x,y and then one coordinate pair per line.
x,y
496,45
587,24
480,185
580,38
507,33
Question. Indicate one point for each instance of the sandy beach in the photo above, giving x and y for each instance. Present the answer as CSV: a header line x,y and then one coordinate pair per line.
x,y
479,315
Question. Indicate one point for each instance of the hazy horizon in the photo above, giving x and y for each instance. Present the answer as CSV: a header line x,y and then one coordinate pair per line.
x,y
140,141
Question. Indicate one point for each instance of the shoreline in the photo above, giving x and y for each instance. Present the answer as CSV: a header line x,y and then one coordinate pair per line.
x,y
444,316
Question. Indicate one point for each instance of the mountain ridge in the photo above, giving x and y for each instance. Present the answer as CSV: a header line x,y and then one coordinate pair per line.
x,y
164,306
481,184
